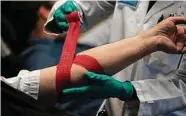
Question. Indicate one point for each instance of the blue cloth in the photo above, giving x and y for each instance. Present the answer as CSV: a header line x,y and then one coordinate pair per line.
x,y
129,3
43,53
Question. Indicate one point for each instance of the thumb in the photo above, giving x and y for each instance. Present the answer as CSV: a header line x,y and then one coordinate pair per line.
x,y
91,74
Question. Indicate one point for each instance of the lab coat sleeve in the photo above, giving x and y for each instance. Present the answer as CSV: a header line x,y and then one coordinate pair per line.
x,y
91,12
25,81
161,96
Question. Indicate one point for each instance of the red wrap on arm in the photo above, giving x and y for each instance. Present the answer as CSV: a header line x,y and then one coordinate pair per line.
x,y
67,57
89,63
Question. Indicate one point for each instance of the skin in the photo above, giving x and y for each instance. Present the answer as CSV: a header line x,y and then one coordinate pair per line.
x,y
166,36
38,32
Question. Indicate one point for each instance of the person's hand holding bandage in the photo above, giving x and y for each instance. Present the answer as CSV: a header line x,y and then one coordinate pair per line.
x,y
99,86
167,36
66,18
61,12
63,15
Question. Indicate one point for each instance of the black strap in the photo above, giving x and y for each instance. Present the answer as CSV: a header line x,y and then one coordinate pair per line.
x,y
17,103
150,5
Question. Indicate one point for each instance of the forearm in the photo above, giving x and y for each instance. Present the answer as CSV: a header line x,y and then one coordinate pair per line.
x,y
116,56
112,57
47,87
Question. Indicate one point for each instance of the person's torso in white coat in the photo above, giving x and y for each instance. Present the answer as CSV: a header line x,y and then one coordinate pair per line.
x,y
128,22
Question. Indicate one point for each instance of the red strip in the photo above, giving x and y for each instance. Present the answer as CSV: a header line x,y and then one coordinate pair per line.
x,y
68,52
89,63
66,60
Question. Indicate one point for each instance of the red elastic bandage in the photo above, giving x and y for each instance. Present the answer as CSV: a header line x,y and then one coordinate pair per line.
x,y
67,56
89,63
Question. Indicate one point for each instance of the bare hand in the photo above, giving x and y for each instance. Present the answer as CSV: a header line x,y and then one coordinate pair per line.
x,y
170,37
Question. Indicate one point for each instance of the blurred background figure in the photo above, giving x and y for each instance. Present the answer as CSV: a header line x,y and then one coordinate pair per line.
x,y
39,49
25,46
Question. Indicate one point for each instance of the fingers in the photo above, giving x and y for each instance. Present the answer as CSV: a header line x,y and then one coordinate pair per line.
x,y
75,91
184,27
82,92
69,7
60,19
180,39
178,20
96,79
63,25
59,15
184,48
73,94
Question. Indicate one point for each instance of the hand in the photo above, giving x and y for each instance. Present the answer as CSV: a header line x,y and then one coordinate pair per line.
x,y
99,86
170,37
60,14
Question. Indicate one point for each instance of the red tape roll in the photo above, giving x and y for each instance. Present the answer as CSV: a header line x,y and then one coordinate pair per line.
x,y
67,56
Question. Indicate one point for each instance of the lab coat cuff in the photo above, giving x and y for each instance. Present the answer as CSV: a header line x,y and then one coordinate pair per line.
x,y
155,94
144,106
29,83
139,92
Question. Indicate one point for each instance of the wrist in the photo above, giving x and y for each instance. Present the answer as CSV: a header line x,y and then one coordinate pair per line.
x,y
148,41
128,90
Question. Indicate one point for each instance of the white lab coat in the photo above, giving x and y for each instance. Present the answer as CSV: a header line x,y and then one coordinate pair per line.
x,y
159,93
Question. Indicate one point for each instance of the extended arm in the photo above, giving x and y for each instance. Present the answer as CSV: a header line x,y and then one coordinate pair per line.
x,y
165,36
111,57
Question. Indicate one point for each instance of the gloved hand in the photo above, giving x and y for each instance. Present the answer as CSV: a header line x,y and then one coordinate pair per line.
x,y
99,86
60,14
